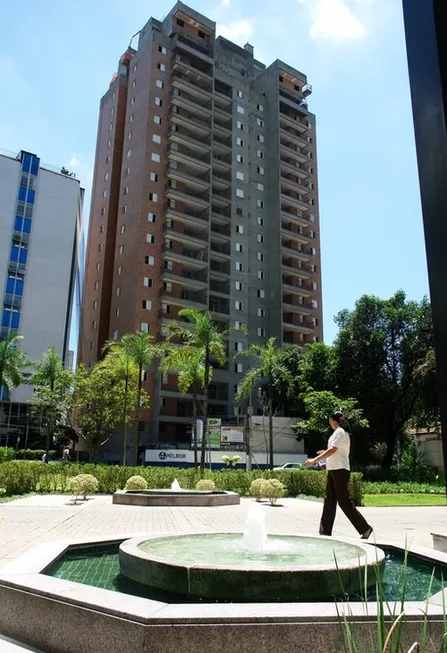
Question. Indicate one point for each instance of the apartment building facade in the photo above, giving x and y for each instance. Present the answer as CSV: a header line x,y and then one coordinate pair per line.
x,y
205,196
40,224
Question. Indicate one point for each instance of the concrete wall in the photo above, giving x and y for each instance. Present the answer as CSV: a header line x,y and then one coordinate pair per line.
x,y
283,437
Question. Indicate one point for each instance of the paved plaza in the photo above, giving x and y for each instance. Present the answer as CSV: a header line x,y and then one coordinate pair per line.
x,y
41,518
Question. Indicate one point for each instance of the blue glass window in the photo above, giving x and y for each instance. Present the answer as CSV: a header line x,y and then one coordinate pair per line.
x,y
4,394
27,225
26,163
35,165
19,287
15,320
10,285
6,318
22,194
18,223
30,196
14,254
23,255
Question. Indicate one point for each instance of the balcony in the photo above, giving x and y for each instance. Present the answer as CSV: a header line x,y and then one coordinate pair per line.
x,y
291,322
224,130
193,259
219,269
221,145
198,128
223,99
196,91
292,306
186,279
296,236
221,180
187,216
220,287
220,234
185,299
220,251
190,159
220,216
292,266
291,135
220,198
192,45
292,167
296,185
294,122
222,163
184,175
291,151
197,110
290,285
291,247
219,307
191,238
195,71
188,198
288,198
203,147
291,100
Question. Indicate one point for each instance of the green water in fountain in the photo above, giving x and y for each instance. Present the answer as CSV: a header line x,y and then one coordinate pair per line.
x,y
280,552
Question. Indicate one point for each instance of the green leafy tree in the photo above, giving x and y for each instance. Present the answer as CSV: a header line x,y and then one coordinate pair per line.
x,y
426,414
318,406
317,368
189,362
268,370
51,398
12,362
381,345
98,400
199,332
139,349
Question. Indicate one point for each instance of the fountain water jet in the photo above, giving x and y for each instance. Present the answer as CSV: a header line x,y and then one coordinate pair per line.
x,y
255,534
175,486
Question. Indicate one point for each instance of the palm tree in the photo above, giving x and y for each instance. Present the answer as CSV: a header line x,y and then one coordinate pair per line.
x,y
189,362
141,352
12,362
53,380
269,368
202,333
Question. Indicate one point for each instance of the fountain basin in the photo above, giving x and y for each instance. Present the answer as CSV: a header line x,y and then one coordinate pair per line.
x,y
176,498
216,566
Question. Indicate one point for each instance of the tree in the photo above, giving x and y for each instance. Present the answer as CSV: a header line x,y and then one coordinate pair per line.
x,y
189,362
201,333
317,368
98,400
137,347
52,384
319,406
127,366
380,346
426,413
12,362
269,370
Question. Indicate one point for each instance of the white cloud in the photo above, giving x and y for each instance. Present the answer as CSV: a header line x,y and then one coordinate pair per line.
x,y
334,20
75,163
239,30
225,3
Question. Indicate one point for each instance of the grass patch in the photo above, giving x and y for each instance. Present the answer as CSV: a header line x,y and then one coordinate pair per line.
x,y
13,497
385,500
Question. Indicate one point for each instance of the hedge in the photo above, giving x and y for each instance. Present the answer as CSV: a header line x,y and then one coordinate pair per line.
x,y
20,477
6,454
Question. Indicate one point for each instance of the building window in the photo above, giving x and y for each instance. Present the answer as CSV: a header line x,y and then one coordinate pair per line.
x,y
94,324
237,326
127,171
148,282
129,136
239,266
110,126
261,332
260,154
126,190
146,304
132,101
260,204
158,102
95,304
103,210
239,368
260,238
123,228
260,221
106,176
260,107
128,153
120,270
98,265
240,175
260,170
239,247
239,229
150,238
239,210
239,158
156,138
144,327
180,22
124,208
261,275
260,138
238,285
240,94
240,142
240,109
260,256
261,312
149,260
260,187
96,286
259,122
115,334
118,291
240,125
167,286
153,176
261,293
151,217
239,192
101,229
162,49
155,157
161,66
201,34
117,312
121,249
153,197
238,306
134,83
100,247
159,83
104,193
157,120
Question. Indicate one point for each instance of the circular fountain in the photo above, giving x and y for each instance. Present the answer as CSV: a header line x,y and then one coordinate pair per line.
x,y
227,566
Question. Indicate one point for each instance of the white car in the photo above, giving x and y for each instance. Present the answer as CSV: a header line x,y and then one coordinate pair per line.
x,y
289,466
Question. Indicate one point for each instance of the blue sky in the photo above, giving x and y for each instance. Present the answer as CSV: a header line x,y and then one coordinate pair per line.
x,y
57,59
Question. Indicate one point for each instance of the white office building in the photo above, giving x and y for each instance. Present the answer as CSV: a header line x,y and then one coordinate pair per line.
x,y
40,223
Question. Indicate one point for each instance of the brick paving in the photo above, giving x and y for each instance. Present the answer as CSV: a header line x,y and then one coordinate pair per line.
x,y
41,518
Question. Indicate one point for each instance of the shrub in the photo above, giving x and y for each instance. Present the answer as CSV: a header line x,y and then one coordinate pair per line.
x,y
256,488
136,483
36,454
2,490
83,484
206,486
273,490
6,454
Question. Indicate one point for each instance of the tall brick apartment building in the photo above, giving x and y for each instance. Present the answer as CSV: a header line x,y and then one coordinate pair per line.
x,y
204,196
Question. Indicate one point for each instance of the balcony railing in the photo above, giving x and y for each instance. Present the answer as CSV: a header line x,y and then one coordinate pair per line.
x,y
194,255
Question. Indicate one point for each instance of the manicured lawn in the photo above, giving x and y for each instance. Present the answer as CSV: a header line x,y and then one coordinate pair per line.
x,y
383,500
